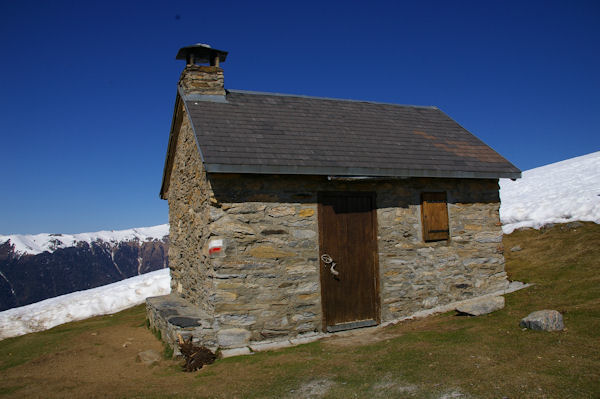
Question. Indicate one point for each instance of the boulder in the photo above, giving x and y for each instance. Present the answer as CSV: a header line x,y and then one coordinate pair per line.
x,y
543,320
481,306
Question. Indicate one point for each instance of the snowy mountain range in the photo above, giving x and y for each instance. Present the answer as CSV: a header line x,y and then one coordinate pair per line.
x,y
557,193
33,244
41,266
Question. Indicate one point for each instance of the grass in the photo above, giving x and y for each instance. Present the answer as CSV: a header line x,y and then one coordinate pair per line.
x,y
480,357
18,350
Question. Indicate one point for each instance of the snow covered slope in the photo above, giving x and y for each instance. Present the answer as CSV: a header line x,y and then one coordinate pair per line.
x,y
33,244
561,192
81,305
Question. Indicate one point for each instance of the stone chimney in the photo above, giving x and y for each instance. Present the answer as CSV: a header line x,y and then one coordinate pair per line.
x,y
202,79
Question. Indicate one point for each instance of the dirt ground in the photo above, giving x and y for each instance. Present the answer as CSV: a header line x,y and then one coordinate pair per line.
x,y
95,364
101,362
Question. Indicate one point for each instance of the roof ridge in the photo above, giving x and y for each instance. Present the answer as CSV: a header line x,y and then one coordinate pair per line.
x,y
262,93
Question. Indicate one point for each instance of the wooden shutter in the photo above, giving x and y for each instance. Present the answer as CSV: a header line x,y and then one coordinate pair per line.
x,y
434,215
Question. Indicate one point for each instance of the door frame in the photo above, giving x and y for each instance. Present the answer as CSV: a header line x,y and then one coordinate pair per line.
x,y
376,277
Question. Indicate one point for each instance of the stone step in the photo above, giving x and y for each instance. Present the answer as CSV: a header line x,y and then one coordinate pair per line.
x,y
174,316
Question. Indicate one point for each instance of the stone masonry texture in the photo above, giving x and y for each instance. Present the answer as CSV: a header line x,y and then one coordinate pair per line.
x,y
188,197
200,79
265,283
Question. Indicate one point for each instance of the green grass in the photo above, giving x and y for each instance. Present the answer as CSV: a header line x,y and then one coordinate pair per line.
x,y
8,390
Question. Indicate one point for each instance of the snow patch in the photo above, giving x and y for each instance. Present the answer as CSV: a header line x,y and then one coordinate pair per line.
x,y
110,298
561,192
33,244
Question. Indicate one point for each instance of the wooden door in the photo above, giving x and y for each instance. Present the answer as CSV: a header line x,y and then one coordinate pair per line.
x,y
348,235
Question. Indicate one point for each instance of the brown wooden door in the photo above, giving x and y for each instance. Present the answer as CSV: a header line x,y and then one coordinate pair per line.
x,y
347,233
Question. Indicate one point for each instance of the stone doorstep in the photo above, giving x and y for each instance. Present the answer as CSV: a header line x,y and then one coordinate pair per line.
x,y
173,315
260,346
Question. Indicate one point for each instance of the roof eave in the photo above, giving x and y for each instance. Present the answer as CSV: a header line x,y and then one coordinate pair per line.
x,y
181,99
349,171
170,150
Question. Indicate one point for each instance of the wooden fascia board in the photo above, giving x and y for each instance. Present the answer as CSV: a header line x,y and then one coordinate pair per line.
x,y
171,147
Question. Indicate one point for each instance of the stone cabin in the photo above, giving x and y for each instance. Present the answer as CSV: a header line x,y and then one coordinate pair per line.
x,y
295,216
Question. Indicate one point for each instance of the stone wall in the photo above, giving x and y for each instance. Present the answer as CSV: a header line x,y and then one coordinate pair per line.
x,y
418,275
265,283
201,79
189,196
267,280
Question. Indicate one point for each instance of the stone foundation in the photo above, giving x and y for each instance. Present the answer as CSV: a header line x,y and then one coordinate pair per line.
x,y
172,320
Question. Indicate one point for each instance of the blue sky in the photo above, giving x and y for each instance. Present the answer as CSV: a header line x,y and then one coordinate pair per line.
x,y
87,88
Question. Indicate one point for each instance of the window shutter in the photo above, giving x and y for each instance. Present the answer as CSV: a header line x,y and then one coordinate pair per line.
x,y
434,215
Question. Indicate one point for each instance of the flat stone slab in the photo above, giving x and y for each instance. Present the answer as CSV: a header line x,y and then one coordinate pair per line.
x,y
235,352
184,321
233,337
478,307
269,345
178,311
515,286
543,320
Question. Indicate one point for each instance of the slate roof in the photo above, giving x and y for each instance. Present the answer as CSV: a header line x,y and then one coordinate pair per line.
x,y
270,133
249,132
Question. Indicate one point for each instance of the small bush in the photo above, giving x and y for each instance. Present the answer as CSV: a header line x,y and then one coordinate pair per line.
x,y
195,356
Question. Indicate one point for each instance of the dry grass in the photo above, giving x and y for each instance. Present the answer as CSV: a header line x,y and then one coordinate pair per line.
x,y
446,356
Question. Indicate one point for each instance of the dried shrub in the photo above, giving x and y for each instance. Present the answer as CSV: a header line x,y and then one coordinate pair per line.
x,y
195,356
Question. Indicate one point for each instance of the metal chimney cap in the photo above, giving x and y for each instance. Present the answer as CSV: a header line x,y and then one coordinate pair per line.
x,y
202,53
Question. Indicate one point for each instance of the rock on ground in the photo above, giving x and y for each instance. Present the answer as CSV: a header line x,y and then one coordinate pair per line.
x,y
312,389
148,357
482,306
543,320
389,387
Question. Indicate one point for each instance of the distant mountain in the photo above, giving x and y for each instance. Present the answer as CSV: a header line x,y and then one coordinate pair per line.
x,y
41,266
